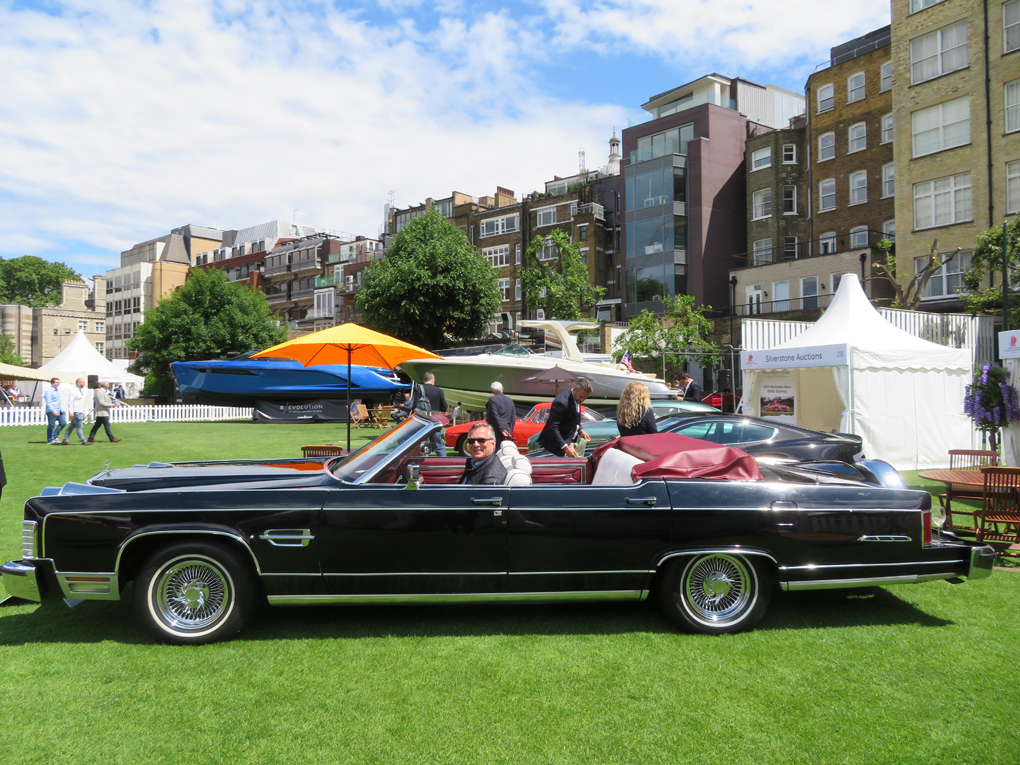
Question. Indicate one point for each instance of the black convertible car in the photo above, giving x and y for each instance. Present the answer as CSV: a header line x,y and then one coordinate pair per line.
x,y
698,526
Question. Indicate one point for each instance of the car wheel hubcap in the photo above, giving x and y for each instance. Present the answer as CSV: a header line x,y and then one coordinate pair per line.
x,y
191,595
717,589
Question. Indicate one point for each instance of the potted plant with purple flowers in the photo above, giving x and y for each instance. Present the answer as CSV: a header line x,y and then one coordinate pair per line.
x,y
991,402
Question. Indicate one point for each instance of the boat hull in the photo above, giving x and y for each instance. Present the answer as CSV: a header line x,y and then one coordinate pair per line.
x,y
243,382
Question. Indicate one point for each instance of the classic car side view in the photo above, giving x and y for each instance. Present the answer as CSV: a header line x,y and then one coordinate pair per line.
x,y
702,528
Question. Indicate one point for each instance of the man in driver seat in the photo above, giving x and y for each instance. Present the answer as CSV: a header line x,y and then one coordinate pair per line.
x,y
483,466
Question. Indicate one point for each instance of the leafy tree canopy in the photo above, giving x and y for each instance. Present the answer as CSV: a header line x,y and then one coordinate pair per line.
x,y
207,318
432,283
909,292
559,285
681,326
7,354
32,281
987,258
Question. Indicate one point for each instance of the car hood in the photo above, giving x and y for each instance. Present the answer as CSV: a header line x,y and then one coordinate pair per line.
x,y
180,475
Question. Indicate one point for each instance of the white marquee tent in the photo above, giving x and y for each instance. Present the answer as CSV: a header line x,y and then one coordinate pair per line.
x,y
81,359
854,372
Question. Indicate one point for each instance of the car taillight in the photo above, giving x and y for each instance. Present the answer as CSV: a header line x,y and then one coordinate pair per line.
x,y
926,523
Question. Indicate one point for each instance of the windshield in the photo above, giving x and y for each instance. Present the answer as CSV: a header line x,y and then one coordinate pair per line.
x,y
376,453
512,350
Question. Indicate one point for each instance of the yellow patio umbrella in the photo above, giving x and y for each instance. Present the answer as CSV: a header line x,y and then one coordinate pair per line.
x,y
351,343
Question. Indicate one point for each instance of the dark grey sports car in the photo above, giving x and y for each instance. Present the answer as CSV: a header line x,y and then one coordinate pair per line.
x,y
700,527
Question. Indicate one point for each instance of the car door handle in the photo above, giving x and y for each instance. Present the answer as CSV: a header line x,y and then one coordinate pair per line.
x,y
288,537
494,501
642,500
781,504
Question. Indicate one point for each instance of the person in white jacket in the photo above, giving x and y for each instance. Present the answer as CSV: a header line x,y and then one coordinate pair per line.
x,y
104,403
76,405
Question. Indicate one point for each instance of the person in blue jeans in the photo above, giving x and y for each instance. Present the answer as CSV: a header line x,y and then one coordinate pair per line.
x,y
55,417
76,405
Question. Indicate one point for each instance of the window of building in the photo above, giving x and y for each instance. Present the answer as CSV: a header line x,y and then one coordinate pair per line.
x,y
582,233
672,141
1013,186
942,201
790,248
504,225
827,195
947,280
761,159
656,187
517,255
857,137
517,292
827,243
889,229
920,5
888,180
761,203
939,52
540,314
99,347
1012,106
549,251
790,151
858,238
762,251
504,288
885,77
83,326
826,97
887,128
497,256
859,187
780,296
826,146
1011,26
855,87
809,291
789,200
100,326
940,127
546,216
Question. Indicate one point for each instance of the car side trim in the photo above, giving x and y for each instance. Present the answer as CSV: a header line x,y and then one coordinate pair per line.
x,y
188,532
870,581
818,566
458,597
89,585
727,550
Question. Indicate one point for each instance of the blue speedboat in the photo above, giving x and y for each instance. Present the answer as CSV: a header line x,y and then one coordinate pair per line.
x,y
241,381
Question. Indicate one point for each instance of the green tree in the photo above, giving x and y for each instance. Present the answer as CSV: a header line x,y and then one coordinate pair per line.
x,y
558,285
986,259
682,325
34,282
207,318
432,283
7,354
909,293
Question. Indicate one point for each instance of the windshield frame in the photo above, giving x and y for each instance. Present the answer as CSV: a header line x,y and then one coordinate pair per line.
x,y
400,440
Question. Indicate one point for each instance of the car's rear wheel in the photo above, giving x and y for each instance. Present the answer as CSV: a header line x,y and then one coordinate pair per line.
x,y
713,594
193,593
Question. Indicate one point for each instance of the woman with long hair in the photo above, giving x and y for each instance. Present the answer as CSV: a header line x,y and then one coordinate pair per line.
x,y
634,414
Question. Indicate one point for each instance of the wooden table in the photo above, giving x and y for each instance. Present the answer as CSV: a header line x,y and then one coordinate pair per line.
x,y
381,416
960,484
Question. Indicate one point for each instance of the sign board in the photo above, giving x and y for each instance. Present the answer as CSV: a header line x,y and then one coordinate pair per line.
x,y
1009,344
320,410
778,395
837,355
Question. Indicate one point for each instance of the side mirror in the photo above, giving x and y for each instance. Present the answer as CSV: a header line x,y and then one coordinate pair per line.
x,y
426,448
413,476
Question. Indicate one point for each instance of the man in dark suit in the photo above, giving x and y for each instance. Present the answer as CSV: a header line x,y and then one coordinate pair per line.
x,y
564,423
433,400
501,414
692,391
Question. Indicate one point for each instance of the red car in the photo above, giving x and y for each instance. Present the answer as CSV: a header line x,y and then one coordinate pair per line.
x,y
776,407
525,428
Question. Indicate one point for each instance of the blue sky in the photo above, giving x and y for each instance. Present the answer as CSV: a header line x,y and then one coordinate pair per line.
x,y
121,120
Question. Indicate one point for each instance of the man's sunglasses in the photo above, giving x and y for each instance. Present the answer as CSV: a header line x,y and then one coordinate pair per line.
x,y
479,440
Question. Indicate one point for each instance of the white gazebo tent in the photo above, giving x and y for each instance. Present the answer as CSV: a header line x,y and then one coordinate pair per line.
x,y
854,372
81,359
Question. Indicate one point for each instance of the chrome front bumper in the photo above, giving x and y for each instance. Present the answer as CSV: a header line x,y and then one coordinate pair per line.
x,y
21,580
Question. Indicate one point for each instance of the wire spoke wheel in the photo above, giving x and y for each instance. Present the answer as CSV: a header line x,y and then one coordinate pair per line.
x,y
714,593
192,595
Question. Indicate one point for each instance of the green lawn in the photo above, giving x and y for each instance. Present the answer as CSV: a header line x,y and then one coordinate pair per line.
x,y
914,674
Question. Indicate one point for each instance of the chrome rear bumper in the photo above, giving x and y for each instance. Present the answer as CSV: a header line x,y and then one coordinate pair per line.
x,y
21,580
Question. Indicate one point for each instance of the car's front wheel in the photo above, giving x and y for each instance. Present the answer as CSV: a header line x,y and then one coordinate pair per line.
x,y
462,446
715,593
193,593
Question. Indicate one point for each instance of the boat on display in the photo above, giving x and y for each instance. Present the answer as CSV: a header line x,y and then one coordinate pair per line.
x,y
241,381
467,379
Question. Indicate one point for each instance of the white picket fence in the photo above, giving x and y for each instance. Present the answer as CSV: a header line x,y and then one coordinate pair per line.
x,y
34,415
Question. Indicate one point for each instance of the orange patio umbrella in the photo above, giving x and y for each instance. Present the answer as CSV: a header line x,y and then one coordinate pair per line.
x,y
347,343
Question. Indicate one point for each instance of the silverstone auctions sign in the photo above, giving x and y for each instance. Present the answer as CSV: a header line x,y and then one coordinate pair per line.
x,y
794,358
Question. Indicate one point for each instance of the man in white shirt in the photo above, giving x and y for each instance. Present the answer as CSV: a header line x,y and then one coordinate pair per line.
x,y
76,404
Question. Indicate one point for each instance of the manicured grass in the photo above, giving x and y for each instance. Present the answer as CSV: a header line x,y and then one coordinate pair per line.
x,y
921,674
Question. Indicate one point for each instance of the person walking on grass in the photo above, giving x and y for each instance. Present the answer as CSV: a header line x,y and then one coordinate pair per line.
x,y
55,419
104,403
76,403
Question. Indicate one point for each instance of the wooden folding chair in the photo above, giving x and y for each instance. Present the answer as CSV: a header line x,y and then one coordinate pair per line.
x,y
381,416
999,519
360,417
966,459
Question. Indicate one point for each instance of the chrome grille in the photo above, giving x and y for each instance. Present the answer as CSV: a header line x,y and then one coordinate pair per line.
x,y
29,540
